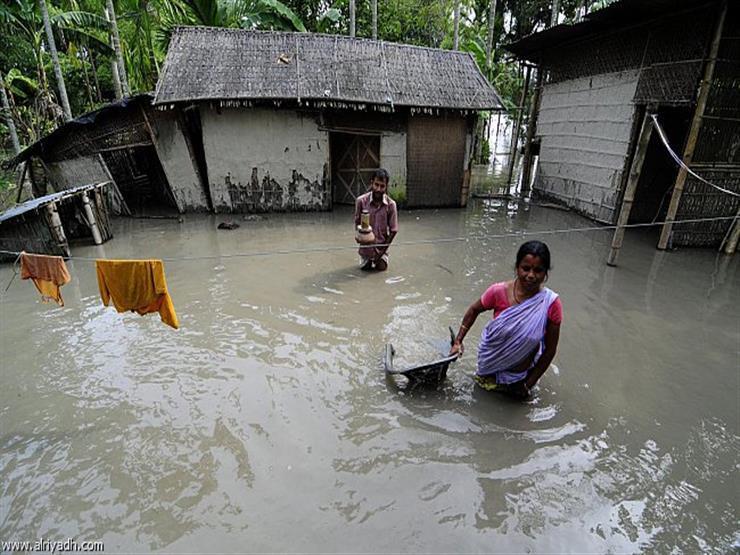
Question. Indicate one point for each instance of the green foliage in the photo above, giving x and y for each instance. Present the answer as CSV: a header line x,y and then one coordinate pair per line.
x,y
398,194
145,26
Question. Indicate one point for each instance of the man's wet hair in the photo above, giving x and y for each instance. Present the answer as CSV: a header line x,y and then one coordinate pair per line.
x,y
535,248
382,173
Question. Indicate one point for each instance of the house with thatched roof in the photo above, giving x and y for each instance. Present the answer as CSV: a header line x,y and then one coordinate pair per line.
x,y
277,121
603,79
266,121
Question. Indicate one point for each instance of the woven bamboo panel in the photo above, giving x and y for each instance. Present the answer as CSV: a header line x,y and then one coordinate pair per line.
x,y
702,201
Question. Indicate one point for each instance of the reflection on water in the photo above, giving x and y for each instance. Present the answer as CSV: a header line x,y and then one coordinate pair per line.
x,y
266,423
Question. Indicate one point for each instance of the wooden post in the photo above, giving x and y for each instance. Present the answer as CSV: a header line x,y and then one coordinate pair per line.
x,y
531,127
515,131
57,231
22,183
732,241
91,221
629,191
688,153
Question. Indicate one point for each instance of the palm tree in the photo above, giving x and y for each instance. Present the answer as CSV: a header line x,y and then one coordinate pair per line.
x,y
55,61
374,7
456,31
116,44
245,14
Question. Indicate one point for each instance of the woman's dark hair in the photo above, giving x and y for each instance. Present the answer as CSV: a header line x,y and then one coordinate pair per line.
x,y
382,173
535,248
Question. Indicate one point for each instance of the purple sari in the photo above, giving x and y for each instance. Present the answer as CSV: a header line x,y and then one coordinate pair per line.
x,y
510,338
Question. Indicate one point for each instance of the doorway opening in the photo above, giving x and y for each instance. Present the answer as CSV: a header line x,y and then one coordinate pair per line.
x,y
354,158
141,180
659,170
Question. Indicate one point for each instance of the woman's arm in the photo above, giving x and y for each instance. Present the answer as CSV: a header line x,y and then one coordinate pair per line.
x,y
467,322
552,337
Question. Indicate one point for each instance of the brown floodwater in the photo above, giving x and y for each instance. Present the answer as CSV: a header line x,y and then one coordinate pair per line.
x,y
266,422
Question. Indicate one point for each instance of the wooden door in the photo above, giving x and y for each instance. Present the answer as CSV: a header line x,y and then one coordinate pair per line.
x,y
354,158
435,160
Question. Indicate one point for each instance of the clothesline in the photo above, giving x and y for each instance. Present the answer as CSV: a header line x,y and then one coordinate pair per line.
x,y
440,240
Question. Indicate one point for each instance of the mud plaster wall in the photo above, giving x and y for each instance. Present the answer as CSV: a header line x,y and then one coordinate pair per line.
x,y
585,125
176,162
83,170
393,158
262,160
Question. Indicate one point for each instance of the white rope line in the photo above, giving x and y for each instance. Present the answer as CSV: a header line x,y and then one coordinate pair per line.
x,y
680,162
412,243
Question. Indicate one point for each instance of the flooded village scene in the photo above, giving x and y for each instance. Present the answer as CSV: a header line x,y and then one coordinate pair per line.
x,y
419,276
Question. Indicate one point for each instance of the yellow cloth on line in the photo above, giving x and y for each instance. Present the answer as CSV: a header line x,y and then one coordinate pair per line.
x,y
48,274
138,286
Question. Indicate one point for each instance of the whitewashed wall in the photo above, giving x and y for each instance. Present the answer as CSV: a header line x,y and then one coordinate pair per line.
x,y
263,160
393,158
177,163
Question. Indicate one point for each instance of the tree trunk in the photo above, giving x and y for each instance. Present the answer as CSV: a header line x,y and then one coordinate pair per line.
x,y
456,32
9,117
94,68
375,18
489,42
117,89
55,62
86,77
351,18
555,12
116,43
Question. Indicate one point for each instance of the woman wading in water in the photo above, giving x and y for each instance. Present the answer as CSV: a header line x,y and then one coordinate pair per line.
x,y
520,341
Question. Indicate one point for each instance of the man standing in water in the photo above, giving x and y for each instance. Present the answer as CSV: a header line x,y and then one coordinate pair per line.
x,y
383,221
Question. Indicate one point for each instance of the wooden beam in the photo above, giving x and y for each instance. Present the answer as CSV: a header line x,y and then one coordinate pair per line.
x,y
688,153
730,246
629,191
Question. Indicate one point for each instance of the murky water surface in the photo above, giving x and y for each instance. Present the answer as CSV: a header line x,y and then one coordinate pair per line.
x,y
266,422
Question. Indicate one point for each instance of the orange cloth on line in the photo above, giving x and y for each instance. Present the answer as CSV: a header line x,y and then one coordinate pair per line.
x,y
48,273
136,285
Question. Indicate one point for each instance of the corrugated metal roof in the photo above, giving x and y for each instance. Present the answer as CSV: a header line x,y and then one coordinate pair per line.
x,y
205,63
34,203
624,13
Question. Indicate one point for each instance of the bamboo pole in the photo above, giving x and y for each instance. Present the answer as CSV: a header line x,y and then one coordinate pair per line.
x,y
688,153
731,244
57,231
92,223
629,191
531,128
515,131
22,182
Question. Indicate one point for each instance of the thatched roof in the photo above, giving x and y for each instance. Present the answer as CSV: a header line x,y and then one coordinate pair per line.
x,y
206,63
